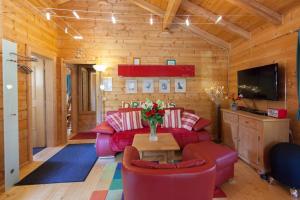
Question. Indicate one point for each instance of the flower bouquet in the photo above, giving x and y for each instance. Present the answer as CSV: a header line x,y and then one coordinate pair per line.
x,y
234,104
153,113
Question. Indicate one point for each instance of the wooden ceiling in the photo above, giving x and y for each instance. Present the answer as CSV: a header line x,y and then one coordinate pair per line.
x,y
239,17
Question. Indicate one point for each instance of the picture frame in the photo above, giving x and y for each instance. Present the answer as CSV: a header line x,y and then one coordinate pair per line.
x,y
107,83
136,61
180,85
131,86
171,62
148,86
164,86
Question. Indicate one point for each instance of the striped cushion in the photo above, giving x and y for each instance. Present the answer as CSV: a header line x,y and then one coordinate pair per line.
x,y
172,119
115,121
188,120
131,120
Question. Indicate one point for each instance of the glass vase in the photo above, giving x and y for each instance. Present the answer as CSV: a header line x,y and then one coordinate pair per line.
x,y
153,135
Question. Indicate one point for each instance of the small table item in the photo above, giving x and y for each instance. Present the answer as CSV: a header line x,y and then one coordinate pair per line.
x,y
162,150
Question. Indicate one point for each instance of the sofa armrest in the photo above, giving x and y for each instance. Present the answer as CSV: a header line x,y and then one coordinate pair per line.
x,y
104,128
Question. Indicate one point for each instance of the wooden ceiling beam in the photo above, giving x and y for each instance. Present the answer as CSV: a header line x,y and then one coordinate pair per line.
x,y
197,10
257,8
59,2
196,30
171,11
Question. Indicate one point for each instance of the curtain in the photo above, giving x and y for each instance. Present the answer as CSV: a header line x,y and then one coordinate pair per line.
x,y
298,75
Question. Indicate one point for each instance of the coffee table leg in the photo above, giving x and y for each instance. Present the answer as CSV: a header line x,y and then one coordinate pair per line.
x,y
170,156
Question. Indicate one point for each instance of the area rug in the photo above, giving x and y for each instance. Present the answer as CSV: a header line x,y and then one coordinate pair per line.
x,y
114,191
71,164
84,136
36,150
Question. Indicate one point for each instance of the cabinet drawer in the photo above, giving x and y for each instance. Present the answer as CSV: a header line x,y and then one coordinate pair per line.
x,y
230,118
248,122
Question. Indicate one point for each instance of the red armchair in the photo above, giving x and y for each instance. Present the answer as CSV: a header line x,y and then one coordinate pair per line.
x,y
195,183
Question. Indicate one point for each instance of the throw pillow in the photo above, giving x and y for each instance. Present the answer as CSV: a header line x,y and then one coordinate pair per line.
x,y
201,124
115,121
190,163
144,164
104,127
188,120
172,119
131,120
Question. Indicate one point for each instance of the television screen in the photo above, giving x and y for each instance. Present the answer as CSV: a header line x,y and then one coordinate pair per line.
x,y
259,82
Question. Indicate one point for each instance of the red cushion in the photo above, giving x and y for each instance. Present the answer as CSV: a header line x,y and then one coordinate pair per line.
x,y
165,166
191,163
201,124
104,127
155,165
144,164
172,118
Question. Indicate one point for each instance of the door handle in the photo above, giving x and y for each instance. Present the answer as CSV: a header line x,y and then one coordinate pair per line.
x,y
13,114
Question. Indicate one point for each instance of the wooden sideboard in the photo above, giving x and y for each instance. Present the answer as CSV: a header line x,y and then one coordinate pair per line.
x,y
252,136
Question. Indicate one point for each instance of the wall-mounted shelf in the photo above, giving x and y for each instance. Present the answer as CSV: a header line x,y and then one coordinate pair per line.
x,y
156,70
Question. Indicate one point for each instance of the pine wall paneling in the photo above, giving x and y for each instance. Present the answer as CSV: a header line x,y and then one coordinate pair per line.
x,y
119,43
18,20
271,44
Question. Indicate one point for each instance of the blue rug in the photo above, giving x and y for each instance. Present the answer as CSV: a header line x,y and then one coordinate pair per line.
x,y
72,164
35,150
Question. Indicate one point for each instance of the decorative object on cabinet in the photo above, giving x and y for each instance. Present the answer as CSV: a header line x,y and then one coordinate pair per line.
x,y
171,62
234,103
136,61
148,86
164,86
131,86
216,94
253,135
180,85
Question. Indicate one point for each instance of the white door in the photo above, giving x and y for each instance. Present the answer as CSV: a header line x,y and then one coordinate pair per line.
x,y
38,103
10,113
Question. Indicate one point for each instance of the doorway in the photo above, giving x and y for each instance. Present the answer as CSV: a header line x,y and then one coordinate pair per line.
x,y
41,94
80,99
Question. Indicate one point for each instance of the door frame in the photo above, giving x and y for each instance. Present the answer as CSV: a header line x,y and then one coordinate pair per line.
x,y
74,112
52,140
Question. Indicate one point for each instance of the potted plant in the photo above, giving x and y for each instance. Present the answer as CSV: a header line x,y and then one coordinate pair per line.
x,y
153,113
234,104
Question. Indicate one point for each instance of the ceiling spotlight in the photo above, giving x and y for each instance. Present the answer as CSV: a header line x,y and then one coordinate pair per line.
x,y
113,19
218,19
66,30
187,22
48,16
78,37
151,20
76,14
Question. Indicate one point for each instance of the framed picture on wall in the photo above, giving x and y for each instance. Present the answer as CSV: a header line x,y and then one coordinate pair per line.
x,y
148,86
107,84
131,86
180,85
171,62
164,86
136,61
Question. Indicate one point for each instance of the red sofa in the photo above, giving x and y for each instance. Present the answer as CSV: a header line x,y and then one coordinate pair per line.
x,y
109,142
192,183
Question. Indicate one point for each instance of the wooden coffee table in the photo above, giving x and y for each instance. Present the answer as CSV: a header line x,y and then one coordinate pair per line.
x,y
162,150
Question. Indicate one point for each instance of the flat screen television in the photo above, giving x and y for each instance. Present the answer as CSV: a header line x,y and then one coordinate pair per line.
x,y
259,82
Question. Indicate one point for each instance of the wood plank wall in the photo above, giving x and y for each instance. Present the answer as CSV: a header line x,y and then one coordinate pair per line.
x,y
18,21
119,43
271,44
